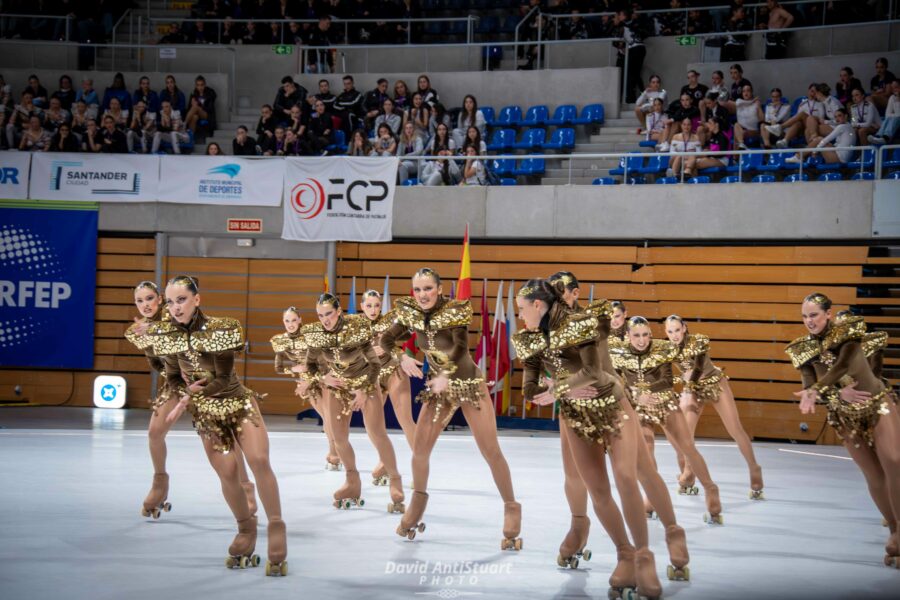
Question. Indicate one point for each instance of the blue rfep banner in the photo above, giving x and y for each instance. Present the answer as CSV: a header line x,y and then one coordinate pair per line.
x,y
48,271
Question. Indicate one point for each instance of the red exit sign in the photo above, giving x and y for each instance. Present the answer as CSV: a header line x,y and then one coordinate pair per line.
x,y
244,226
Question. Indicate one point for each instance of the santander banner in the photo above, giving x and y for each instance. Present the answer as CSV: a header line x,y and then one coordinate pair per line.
x,y
96,178
328,199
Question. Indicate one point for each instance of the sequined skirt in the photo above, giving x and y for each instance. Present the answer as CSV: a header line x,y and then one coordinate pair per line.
x,y
387,371
468,391
709,389
346,395
595,420
221,420
856,422
163,395
657,412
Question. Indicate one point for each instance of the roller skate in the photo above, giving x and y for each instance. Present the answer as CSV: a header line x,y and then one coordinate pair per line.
x,y
333,463
713,506
512,525
410,523
349,494
396,504
250,490
380,475
648,508
686,485
756,483
678,554
572,548
277,534
240,552
622,582
648,586
892,551
156,498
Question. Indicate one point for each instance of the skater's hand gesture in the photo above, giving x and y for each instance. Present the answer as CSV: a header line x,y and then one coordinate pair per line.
x,y
807,401
379,351
543,399
359,400
141,326
686,402
197,386
587,391
411,366
645,399
549,383
178,410
333,381
439,384
299,368
302,387
854,396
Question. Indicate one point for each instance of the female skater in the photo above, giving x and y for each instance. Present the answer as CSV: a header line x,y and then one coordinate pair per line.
x,y
442,327
392,381
149,305
342,359
834,369
593,419
650,480
705,383
200,349
290,359
646,365
617,324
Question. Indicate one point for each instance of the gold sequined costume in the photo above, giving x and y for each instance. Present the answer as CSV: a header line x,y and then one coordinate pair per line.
x,y
837,358
648,372
144,343
205,349
698,373
290,350
389,361
443,335
568,350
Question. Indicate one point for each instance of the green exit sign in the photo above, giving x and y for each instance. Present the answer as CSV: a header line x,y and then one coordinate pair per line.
x,y
283,49
686,40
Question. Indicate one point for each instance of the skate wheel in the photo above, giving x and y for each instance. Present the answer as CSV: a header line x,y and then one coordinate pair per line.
x,y
884,522
347,504
411,534
686,571
155,513
519,544
562,562
268,568
244,562
694,491
167,506
255,560
756,495
230,562
283,568
573,564
146,513
670,572
713,519
360,502
421,527
892,561
586,554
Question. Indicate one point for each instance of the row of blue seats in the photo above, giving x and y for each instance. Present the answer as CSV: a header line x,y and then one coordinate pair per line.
x,y
503,181
532,139
539,115
762,178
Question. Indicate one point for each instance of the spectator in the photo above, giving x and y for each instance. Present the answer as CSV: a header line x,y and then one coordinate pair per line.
x,y
297,121
88,93
695,89
173,95
634,49
38,93
698,21
671,22
321,37
359,144
349,105
374,100
401,95
112,140
274,146
419,114
891,121
117,90
683,141
120,116
438,116
200,36
146,95
443,171
265,127
441,141
779,18
250,35
65,94
174,36
408,31
80,116
735,45
576,28
429,94
842,136
473,138
388,117
749,115
6,97
846,85
821,126
92,140
202,108
677,112
717,84
776,114
738,83
34,137
809,106
881,84
410,145
232,33
171,126
644,103
289,94
141,127
473,172
243,144
20,118
64,140
54,116
716,141
321,129
385,141
864,117
657,123
470,116
324,95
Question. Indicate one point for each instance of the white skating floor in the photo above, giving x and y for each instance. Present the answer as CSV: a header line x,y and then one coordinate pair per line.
x,y
73,481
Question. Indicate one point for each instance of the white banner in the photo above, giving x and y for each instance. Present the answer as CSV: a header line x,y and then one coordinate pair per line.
x,y
94,177
14,175
221,180
328,199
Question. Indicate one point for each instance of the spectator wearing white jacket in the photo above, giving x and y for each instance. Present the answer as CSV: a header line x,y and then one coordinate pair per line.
x,y
841,137
389,117
891,121
644,103
809,106
443,171
864,115
776,114
170,125
470,116
409,146
817,126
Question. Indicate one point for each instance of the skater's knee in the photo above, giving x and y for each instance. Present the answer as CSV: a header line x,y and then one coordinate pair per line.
x,y
258,463
492,453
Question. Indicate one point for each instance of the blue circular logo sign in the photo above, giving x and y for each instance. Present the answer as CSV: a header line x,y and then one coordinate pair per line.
x,y
108,393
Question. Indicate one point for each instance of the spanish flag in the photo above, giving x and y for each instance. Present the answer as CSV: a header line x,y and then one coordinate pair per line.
x,y
327,287
464,285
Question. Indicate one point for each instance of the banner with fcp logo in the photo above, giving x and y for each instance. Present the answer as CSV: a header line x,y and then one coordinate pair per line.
x,y
14,168
221,180
332,198
48,271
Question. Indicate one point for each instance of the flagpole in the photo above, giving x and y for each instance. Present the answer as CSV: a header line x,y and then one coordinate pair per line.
x,y
494,331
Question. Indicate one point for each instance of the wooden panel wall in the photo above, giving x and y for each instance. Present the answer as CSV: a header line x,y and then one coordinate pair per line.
x,y
745,298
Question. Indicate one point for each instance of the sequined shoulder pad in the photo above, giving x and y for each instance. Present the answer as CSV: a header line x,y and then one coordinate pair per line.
x,y
454,313
600,308
802,350
285,343
355,332
528,343
218,334
142,342
851,328
660,353
576,329
694,346
383,322
874,342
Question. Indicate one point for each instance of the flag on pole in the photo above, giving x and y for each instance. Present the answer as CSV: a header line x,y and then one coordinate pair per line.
x,y
351,305
591,299
500,353
483,351
464,285
386,296
327,287
452,290
510,332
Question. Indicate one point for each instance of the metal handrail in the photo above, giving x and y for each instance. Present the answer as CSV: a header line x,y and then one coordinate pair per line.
x,y
53,17
520,23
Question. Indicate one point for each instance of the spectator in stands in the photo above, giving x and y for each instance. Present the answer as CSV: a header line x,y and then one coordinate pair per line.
x,y
864,117
779,18
118,91
469,116
359,144
174,36
695,89
820,126
274,146
261,10
717,84
644,104
374,101
169,125
385,141
297,122
54,116
92,140
80,116
250,35
321,37
845,86
473,138
683,141
473,172
324,95
634,49
419,114
389,117
200,36
173,95
64,140
88,93
735,44
716,141
714,105
321,129
6,96
809,106
34,137
443,171
146,95
349,105
776,114
65,94
438,116
265,127
576,28
441,140
20,118
671,22
289,95
38,92
657,123
749,115
881,84
429,94
401,95
698,21
232,33
409,145
677,112
118,114
243,144
141,127
202,108
842,136
112,140
738,83
891,122
211,9
291,144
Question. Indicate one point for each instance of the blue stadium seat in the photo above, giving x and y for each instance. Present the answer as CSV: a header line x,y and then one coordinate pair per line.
x,y
647,144
340,142
565,114
507,181
561,139
488,24
434,28
893,160
893,175
700,179
488,112
535,116
502,166
591,114
509,24
867,176
748,164
711,171
635,181
795,177
730,179
604,181
764,178
666,180
795,105
532,139
509,116
530,166
457,27
866,161
831,176
502,139
634,161
773,163
657,163
412,181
